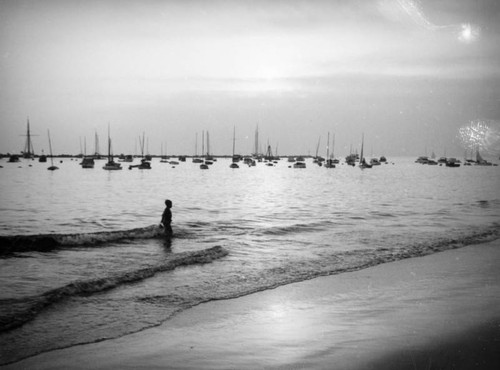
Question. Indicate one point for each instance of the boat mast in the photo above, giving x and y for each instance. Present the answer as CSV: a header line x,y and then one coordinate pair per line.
x,y
50,148
208,145
234,138
317,146
28,147
256,150
196,145
96,143
333,147
328,147
202,143
109,146
362,143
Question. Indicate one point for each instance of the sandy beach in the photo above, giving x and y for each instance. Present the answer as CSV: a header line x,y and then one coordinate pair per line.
x,y
440,311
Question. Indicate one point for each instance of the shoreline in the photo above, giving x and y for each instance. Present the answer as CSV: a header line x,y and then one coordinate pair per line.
x,y
436,311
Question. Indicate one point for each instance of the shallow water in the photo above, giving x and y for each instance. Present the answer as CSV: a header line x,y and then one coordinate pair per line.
x,y
277,225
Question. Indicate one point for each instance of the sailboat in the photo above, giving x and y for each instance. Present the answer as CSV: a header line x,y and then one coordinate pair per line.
x,y
204,164
97,154
317,158
164,157
209,158
87,162
145,164
111,165
196,159
329,161
52,167
233,158
362,161
28,148
480,161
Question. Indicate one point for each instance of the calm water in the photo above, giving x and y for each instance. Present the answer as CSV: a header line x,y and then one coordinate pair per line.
x,y
237,231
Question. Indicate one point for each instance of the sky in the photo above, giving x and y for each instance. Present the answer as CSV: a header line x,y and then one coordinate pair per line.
x,y
412,76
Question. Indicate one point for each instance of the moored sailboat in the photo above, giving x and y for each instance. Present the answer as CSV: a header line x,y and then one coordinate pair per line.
x,y
28,152
111,165
234,159
87,162
362,162
52,167
145,160
329,161
480,161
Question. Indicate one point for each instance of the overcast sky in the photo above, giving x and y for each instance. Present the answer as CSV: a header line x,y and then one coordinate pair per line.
x,y
407,74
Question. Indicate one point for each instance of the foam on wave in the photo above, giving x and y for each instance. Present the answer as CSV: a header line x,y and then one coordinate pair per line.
x,y
23,310
45,242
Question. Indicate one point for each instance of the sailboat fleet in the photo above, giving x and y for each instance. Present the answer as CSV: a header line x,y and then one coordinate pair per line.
x,y
206,159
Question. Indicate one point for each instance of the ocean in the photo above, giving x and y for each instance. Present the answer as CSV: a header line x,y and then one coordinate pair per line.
x,y
83,260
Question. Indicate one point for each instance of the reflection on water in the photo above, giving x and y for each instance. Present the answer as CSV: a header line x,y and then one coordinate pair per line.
x,y
278,224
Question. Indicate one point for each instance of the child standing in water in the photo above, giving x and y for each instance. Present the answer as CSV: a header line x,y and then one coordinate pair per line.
x,y
166,218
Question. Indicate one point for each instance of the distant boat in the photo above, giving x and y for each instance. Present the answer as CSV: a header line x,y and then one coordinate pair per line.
x,y
42,158
234,158
299,164
351,159
422,159
208,159
52,167
14,158
87,162
329,160
127,158
28,148
452,162
144,165
480,161
145,161
97,155
196,159
362,161
111,165
318,159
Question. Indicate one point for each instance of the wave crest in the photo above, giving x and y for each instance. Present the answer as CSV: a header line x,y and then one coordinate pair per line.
x,y
23,310
45,242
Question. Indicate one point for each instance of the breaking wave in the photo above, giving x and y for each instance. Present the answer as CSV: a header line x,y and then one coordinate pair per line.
x,y
45,242
22,310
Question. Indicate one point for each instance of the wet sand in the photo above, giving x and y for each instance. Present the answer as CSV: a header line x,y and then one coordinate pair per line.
x,y
435,312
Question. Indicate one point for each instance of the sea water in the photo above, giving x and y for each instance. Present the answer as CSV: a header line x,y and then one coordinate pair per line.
x,y
103,270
